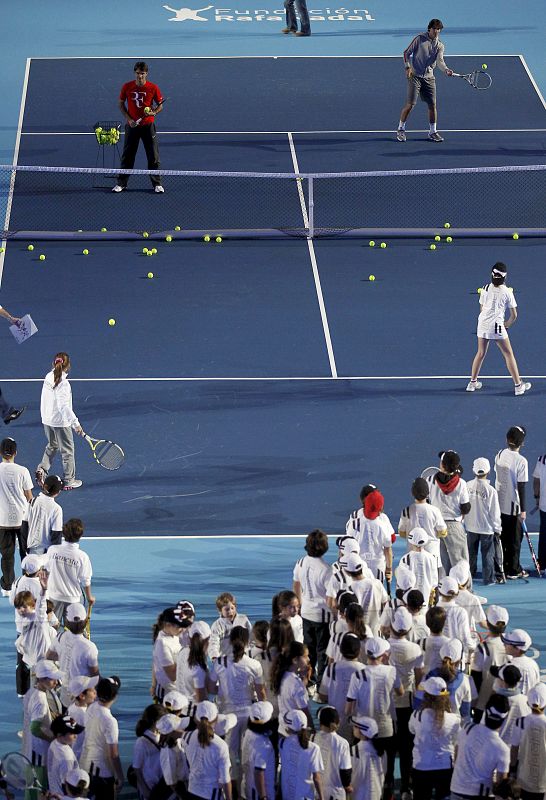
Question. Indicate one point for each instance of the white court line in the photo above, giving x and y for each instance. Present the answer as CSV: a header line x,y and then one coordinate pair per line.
x,y
14,163
243,379
254,536
314,265
140,56
528,71
299,133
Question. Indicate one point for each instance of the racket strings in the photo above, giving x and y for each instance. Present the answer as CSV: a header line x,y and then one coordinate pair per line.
x,y
17,771
480,79
109,455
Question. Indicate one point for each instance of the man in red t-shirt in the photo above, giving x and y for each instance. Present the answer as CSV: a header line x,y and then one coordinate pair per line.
x,y
135,96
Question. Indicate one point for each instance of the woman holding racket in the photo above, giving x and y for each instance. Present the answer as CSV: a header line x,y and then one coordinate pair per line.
x,y
495,300
59,421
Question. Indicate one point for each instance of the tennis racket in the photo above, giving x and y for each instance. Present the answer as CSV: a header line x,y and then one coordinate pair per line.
x,y
19,777
479,79
139,120
87,631
429,472
108,454
531,548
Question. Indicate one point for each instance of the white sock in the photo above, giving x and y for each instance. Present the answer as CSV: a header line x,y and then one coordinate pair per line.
x,y
432,127
401,126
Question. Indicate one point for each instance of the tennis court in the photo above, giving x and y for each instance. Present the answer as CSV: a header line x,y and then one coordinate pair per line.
x,y
256,384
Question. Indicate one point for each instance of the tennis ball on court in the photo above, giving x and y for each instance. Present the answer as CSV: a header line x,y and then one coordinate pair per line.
x,y
145,251
479,289
150,274
30,247
371,277
42,257
85,252
177,227
371,244
103,230
154,251
449,239
145,234
149,253
98,130
433,247
437,239
111,322
218,239
168,238
447,225
515,236
206,238
484,66
383,245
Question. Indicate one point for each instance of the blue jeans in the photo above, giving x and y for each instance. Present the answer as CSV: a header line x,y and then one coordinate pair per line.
x,y
291,21
487,544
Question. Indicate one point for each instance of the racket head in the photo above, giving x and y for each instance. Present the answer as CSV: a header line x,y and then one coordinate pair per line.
x,y
106,453
480,79
18,772
429,472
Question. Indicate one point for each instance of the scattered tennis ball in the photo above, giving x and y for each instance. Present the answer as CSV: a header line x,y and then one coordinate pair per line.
x,y
103,230
111,322
154,251
515,236
437,239
145,234
177,227
149,253
449,239
433,247
371,244
168,238
383,245
150,274
98,130
85,252
42,257
30,247
371,277
447,225
484,66
479,289
218,239
145,251
206,238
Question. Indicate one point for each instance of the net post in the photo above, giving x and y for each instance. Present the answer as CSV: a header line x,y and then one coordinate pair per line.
x,y
311,198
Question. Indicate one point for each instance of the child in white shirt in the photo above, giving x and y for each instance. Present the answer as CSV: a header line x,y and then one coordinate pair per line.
x,y
44,517
336,755
221,627
483,522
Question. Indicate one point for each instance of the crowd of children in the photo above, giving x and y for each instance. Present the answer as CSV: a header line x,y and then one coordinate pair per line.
x,y
343,688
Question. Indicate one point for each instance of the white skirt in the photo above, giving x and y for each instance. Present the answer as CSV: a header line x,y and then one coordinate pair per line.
x,y
495,331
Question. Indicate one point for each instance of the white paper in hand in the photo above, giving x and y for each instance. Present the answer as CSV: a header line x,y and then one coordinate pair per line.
x,y
24,330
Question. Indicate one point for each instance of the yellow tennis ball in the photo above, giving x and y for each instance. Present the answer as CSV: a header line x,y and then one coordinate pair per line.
x,y
218,239
447,225
2,249
111,322
383,245
449,239
30,247
177,227
145,234
154,251
433,247
479,289
437,239
150,274
145,251
371,244
149,253
515,236
85,252
371,277
168,238
206,238
42,257
98,130
147,109
103,230
484,66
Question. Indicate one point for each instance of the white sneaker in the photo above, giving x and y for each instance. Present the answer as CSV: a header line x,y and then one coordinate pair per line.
x,y
118,188
159,189
401,135
473,385
522,387
74,484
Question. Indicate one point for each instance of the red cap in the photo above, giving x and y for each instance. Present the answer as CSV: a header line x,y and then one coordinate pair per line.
x,y
373,504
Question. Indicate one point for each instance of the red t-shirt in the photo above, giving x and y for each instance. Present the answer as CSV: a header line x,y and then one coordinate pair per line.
x,y
138,97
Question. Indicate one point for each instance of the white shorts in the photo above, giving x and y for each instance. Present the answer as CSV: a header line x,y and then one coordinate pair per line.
x,y
498,331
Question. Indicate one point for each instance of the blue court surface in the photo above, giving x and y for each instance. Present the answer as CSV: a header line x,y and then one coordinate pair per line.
x,y
256,385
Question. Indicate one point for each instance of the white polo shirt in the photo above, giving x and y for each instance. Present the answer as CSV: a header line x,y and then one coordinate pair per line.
x,y
44,515
14,481
189,679
481,757
373,535
529,734
313,575
450,504
56,403
426,516
489,653
431,646
368,772
511,468
433,746
69,570
293,695
101,730
540,473
335,683
165,652
336,755
257,753
373,688
372,597
209,766
405,657
425,568
146,753
76,656
297,769
60,760
237,681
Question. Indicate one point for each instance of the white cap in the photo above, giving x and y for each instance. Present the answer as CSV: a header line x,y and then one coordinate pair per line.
x,y
295,720
79,683
448,586
74,776
353,562
461,572
418,537
376,647
405,578
434,686
76,612
496,614
32,563
47,669
206,710
176,701
481,466
402,619
537,696
452,649
518,638
349,545
365,725
225,723
201,627
261,711
170,723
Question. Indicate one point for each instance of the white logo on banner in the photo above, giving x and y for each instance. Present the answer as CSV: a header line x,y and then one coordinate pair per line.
x,y
269,15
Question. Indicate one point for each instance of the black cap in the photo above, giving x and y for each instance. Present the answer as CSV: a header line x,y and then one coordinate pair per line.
x,y
8,447
108,688
508,673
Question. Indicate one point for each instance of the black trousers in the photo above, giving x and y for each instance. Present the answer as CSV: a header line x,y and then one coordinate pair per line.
x,y
425,782
7,554
404,745
316,636
102,788
133,136
542,541
511,543
531,795
22,676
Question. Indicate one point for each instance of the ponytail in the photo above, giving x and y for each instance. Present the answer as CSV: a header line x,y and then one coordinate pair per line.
x,y
355,617
448,670
197,656
205,732
157,627
61,363
238,639
283,662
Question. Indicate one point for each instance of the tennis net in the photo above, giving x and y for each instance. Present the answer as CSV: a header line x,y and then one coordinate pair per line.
x,y
68,202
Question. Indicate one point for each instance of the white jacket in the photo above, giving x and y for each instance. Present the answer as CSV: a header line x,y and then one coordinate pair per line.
x,y
484,515
56,403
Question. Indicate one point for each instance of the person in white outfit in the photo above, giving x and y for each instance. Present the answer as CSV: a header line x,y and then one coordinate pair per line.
x,y
70,570
59,421
369,761
336,755
529,746
483,523
15,495
44,518
422,563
